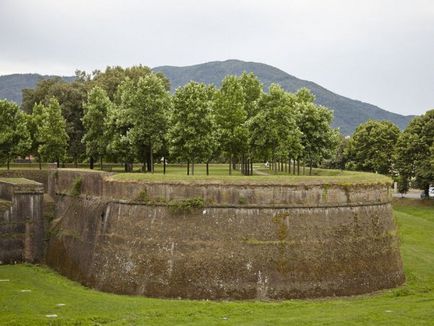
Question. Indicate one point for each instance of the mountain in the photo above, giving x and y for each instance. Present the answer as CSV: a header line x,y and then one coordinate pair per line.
x,y
348,113
11,85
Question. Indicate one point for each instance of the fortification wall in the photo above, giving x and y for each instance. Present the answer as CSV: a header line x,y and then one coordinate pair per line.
x,y
21,221
236,242
40,176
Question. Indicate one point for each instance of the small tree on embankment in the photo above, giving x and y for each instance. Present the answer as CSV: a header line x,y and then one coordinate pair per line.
x,y
51,132
145,107
14,136
191,134
94,121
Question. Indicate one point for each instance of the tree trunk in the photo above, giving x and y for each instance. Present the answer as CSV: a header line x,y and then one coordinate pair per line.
x,y
310,167
230,164
298,166
251,167
289,165
91,163
151,158
100,163
188,167
192,166
57,162
128,166
164,164
207,168
8,163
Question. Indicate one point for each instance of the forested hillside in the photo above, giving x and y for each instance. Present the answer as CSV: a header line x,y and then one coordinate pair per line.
x,y
348,113
11,85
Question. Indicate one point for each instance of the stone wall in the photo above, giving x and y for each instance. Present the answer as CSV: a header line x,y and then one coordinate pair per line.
x,y
21,221
223,241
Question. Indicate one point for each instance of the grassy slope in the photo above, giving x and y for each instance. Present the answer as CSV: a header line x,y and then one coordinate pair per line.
x,y
410,304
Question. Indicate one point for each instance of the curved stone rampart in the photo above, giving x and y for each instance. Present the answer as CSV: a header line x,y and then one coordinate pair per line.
x,y
224,241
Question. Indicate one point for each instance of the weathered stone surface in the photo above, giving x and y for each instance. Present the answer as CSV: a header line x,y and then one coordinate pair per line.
x,y
261,241
21,220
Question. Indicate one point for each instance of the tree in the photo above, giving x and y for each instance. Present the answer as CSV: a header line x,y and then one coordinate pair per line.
x,y
230,116
273,131
314,121
71,96
191,134
117,127
34,121
95,113
252,89
40,94
146,107
413,154
340,156
14,135
372,146
52,134
112,78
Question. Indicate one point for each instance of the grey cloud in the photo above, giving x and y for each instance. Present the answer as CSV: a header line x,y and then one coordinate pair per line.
x,y
376,51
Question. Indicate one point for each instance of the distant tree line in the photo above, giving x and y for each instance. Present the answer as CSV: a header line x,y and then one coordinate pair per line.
x,y
379,146
129,115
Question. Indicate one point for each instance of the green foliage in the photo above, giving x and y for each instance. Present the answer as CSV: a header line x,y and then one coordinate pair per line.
x,y
186,206
231,115
128,116
348,113
75,189
403,184
371,147
191,135
339,159
71,96
14,135
142,196
413,152
314,121
145,108
252,89
51,132
112,77
273,131
94,121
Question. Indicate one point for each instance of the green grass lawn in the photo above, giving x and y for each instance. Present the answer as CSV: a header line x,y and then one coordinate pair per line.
x,y
219,173
411,304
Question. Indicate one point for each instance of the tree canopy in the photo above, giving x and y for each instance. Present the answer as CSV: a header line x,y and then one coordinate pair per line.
x,y
127,115
414,153
372,146
14,135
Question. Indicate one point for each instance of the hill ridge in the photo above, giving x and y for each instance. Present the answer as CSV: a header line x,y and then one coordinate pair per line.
x,y
348,113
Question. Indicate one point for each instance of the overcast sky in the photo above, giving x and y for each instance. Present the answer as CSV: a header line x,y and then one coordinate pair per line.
x,y
377,51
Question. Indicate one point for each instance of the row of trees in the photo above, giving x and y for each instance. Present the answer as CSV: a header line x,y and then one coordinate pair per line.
x,y
43,133
128,115
379,146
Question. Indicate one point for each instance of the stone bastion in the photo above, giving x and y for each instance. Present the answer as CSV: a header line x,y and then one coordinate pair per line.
x,y
206,239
